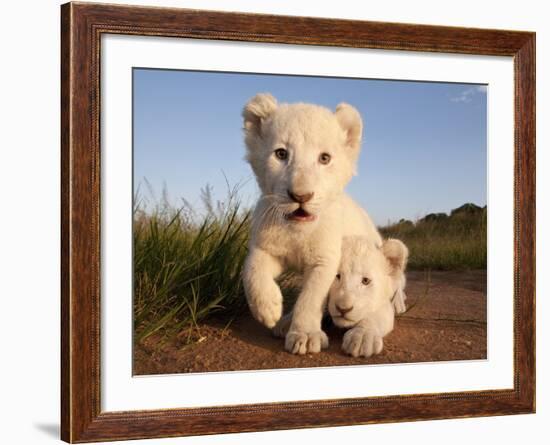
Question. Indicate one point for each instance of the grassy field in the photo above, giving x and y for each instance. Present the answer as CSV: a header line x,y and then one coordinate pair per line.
x,y
187,266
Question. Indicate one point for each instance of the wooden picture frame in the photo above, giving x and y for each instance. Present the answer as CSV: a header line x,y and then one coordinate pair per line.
x,y
82,25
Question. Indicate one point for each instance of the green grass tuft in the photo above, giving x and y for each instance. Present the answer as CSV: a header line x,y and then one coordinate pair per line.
x,y
187,268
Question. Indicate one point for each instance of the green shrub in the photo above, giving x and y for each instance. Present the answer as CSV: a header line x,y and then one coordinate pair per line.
x,y
453,242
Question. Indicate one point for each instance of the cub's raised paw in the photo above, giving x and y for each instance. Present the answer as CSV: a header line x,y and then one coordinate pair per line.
x,y
267,312
362,342
297,342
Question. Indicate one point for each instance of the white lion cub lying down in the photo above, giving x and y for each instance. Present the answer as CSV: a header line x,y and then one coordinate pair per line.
x,y
362,296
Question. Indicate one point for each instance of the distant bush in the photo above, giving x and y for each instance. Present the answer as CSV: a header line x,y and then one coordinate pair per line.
x,y
440,241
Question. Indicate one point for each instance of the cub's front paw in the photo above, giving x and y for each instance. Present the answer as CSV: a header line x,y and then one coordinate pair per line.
x,y
297,342
361,341
398,302
267,312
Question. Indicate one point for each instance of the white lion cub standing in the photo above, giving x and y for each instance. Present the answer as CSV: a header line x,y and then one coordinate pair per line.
x,y
361,297
303,156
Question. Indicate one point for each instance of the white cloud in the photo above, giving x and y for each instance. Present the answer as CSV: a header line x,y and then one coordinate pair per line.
x,y
466,95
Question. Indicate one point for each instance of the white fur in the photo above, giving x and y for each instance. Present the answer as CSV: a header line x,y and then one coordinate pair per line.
x,y
368,279
311,247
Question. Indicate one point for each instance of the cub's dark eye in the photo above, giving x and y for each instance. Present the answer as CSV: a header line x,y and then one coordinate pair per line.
x,y
324,158
365,281
338,276
281,154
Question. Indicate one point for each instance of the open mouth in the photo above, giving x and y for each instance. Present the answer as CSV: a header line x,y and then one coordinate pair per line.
x,y
300,215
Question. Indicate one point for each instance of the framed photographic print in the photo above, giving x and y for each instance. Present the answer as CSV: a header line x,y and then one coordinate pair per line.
x,y
274,222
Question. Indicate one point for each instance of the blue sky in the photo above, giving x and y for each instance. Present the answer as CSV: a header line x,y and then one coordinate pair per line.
x,y
424,146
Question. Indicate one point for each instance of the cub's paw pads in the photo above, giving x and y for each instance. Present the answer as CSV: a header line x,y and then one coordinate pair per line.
x,y
297,342
362,342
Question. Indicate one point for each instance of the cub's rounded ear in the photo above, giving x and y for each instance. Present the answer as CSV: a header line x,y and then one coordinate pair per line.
x,y
256,111
397,255
350,120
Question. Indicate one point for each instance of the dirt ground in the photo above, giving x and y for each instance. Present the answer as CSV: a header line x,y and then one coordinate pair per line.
x,y
446,320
